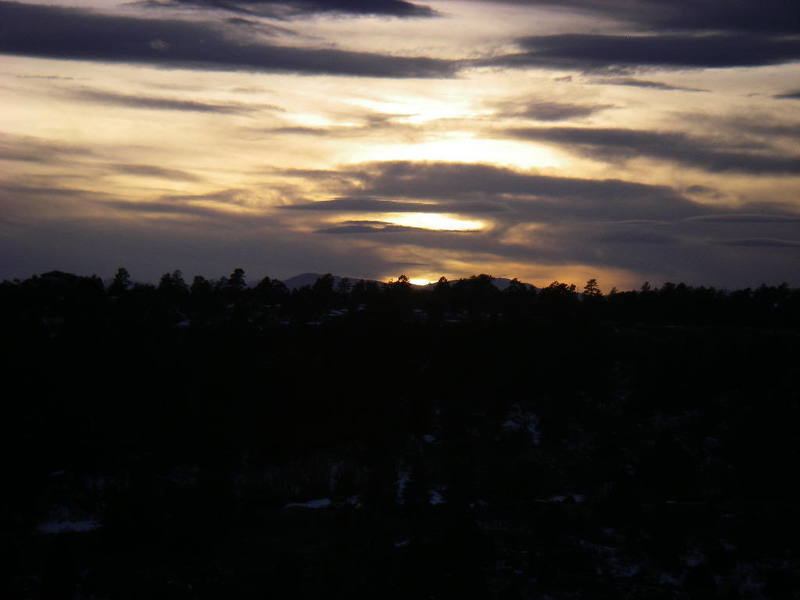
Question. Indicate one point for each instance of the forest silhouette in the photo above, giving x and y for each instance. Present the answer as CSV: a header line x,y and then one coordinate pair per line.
x,y
348,439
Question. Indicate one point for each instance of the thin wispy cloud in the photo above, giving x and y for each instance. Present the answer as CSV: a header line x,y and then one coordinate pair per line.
x,y
159,103
550,111
154,171
645,83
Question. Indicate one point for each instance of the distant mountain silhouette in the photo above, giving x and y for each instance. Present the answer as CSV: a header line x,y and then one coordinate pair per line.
x,y
500,283
309,279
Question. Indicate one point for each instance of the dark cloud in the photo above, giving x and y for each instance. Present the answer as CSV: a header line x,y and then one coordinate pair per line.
x,y
644,83
28,191
625,144
540,196
678,34
789,95
258,25
73,34
371,205
163,208
592,52
289,9
39,150
760,129
702,190
505,195
232,197
298,130
154,171
46,77
551,111
749,218
633,236
370,127
766,16
157,103
762,243
361,227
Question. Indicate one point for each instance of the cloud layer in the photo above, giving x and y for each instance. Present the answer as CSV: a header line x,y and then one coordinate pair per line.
x,y
67,33
290,9
591,52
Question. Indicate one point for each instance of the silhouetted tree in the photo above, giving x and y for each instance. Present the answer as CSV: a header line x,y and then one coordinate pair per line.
x,y
591,289
120,283
271,291
235,283
173,284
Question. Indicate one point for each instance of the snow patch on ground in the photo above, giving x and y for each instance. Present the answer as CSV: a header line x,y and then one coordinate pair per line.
x,y
355,501
436,495
694,558
403,477
565,498
59,526
319,503
528,422
614,562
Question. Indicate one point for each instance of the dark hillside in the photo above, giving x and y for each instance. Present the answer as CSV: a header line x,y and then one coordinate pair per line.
x,y
215,439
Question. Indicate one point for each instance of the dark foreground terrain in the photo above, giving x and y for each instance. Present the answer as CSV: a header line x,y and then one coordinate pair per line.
x,y
216,440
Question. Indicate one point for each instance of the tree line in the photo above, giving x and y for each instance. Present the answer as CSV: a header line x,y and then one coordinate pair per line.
x,y
53,297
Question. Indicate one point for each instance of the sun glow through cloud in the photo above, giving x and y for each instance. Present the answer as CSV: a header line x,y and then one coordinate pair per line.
x,y
435,222
464,148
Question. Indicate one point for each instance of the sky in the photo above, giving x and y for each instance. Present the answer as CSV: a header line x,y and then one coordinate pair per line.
x,y
624,140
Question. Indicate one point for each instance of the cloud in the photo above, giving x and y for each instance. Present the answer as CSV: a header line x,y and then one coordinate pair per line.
x,y
551,111
649,230
521,194
163,208
158,103
633,235
370,126
290,9
74,34
226,198
372,205
766,16
789,95
544,220
31,149
621,53
626,144
46,77
753,123
154,171
748,218
762,243
644,83
360,227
